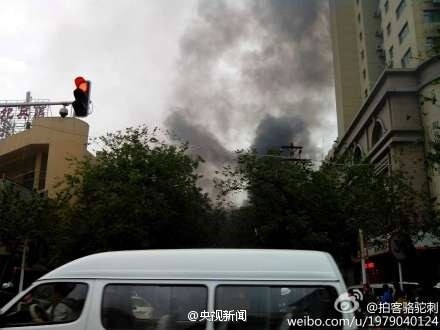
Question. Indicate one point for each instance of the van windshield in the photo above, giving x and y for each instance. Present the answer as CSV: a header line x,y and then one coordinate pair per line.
x,y
269,307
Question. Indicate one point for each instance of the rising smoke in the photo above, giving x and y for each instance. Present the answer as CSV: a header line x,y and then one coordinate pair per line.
x,y
254,74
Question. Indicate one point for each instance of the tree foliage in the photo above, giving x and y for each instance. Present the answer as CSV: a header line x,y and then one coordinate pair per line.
x,y
291,204
25,215
141,193
137,193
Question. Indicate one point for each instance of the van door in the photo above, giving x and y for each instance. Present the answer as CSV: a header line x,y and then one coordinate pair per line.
x,y
50,305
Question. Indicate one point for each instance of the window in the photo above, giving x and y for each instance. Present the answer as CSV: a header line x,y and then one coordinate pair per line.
x,y
357,155
377,133
386,6
126,306
403,33
270,307
389,29
360,36
406,59
364,74
431,16
391,52
362,54
359,18
48,303
433,44
366,92
400,8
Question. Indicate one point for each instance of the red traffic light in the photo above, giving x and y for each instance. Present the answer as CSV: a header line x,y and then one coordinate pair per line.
x,y
79,80
82,97
82,84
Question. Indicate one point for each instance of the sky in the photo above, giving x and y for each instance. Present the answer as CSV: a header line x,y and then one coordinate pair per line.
x,y
223,75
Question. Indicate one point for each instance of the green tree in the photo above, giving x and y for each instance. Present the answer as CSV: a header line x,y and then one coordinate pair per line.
x,y
25,215
137,193
290,204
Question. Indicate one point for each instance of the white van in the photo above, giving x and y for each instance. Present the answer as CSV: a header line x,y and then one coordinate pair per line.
x,y
194,289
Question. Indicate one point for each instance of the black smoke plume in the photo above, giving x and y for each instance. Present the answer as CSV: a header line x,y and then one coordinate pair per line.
x,y
253,74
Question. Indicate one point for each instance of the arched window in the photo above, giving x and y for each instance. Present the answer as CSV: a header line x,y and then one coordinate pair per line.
x,y
377,132
357,155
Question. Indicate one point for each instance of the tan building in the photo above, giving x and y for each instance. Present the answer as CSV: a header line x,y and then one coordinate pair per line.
x,y
345,62
410,31
398,71
394,41
38,158
369,35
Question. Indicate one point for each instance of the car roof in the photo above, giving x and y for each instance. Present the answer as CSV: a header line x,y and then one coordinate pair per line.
x,y
209,264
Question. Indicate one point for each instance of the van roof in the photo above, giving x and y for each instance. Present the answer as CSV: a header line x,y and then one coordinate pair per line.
x,y
221,264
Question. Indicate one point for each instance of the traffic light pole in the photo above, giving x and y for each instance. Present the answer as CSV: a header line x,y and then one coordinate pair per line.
x,y
362,247
23,264
31,104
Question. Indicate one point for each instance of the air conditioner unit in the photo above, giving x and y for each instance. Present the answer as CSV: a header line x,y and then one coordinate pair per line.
x,y
379,48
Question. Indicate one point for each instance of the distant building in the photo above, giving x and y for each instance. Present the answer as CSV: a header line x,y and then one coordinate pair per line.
x,y
386,71
38,158
371,35
386,81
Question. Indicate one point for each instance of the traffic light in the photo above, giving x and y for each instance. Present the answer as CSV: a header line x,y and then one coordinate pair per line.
x,y
370,265
82,97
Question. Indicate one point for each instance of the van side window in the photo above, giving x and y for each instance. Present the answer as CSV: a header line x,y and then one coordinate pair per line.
x,y
269,307
48,303
126,306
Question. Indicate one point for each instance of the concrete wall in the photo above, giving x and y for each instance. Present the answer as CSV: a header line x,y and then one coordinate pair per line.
x,y
395,103
65,138
372,62
345,62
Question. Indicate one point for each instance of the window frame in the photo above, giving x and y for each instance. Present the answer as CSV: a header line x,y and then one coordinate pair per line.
x,y
404,61
150,284
403,33
216,306
400,8
436,13
376,136
432,42
49,323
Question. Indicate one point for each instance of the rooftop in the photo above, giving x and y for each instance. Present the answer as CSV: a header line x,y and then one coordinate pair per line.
x,y
221,264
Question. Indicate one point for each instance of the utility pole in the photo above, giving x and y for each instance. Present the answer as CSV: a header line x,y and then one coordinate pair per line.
x,y
294,152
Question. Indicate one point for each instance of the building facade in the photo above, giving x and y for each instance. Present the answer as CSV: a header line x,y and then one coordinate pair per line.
x,y
371,35
398,73
39,157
